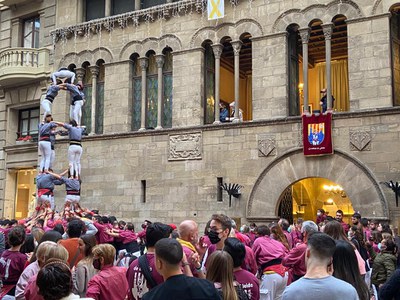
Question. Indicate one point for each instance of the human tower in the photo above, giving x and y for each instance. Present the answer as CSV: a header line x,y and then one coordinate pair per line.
x,y
46,180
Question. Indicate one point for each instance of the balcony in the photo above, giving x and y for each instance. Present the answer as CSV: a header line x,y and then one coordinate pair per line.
x,y
12,2
22,65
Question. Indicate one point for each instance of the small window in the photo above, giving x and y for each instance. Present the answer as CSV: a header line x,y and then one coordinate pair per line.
x,y
31,33
143,192
28,123
219,189
122,6
95,9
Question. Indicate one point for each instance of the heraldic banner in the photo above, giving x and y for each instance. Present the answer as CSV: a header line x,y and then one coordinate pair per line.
x,y
317,134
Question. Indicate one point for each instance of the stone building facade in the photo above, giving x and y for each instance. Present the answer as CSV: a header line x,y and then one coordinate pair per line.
x,y
156,148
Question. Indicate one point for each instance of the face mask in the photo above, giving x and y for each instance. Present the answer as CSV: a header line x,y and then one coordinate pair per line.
x,y
213,236
97,264
143,226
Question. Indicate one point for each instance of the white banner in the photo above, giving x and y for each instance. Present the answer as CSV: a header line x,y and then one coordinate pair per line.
x,y
215,9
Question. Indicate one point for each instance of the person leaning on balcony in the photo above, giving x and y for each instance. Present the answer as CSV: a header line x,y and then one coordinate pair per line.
x,y
63,74
324,101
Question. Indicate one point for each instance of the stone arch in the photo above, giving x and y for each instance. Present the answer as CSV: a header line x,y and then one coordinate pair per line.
x,y
151,43
357,180
90,56
377,7
234,30
324,12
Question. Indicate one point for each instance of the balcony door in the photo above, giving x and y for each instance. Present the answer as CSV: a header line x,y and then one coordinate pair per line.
x,y
31,33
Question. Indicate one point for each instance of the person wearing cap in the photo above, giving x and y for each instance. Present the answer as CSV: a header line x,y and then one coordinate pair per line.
x,y
324,101
45,129
77,100
47,102
65,74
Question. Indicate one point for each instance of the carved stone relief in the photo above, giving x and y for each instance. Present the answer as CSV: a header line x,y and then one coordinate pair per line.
x,y
360,140
266,145
185,146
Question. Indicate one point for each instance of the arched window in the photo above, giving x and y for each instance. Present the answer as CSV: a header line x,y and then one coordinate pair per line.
x,y
167,85
395,52
209,83
137,92
100,99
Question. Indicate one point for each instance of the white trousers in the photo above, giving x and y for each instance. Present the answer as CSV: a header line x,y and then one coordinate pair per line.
x,y
45,151
74,158
272,286
76,111
72,198
46,106
52,158
46,198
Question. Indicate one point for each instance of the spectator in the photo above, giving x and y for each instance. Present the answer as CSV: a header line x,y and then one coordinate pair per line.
x,y
75,229
84,270
12,261
321,216
277,234
247,280
339,218
384,263
54,281
355,218
110,282
297,237
345,268
318,283
284,224
390,290
269,254
296,258
220,272
140,282
169,257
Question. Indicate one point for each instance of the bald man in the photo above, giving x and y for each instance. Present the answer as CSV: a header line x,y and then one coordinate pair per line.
x,y
188,232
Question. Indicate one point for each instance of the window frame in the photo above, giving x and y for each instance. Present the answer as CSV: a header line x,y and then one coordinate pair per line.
x,y
30,131
33,32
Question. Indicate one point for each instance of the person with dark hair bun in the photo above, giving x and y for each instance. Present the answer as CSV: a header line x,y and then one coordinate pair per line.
x,y
247,280
12,261
54,281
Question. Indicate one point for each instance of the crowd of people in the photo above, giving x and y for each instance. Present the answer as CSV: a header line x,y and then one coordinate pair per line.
x,y
49,257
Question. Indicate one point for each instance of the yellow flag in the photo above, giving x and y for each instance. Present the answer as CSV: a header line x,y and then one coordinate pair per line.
x,y
215,9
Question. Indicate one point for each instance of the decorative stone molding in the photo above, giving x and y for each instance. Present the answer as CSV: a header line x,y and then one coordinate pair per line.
x,y
360,140
186,146
266,145
323,12
305,34
217,49
328,30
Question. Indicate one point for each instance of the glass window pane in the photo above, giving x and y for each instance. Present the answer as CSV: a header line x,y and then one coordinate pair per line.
x,y
34,113
152,69
95,9
28,34
33,126
36,33
24,127
150,3
87,108
167,102
25,114
151,105
99,108
167,67
120,7
137,103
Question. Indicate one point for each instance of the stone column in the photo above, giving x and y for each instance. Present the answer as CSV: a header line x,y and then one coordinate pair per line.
x,y
137,5
144,62
160,64
107,9
79,11
236,50
305,36
95,72
328,30
80,73
217,49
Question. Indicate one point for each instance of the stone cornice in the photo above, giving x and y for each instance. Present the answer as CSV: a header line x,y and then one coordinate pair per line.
x,y
185,51
225,126
269,36
368,18
163,11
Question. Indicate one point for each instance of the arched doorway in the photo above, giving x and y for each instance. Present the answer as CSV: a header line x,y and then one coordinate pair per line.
x,y
352,175
303,198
